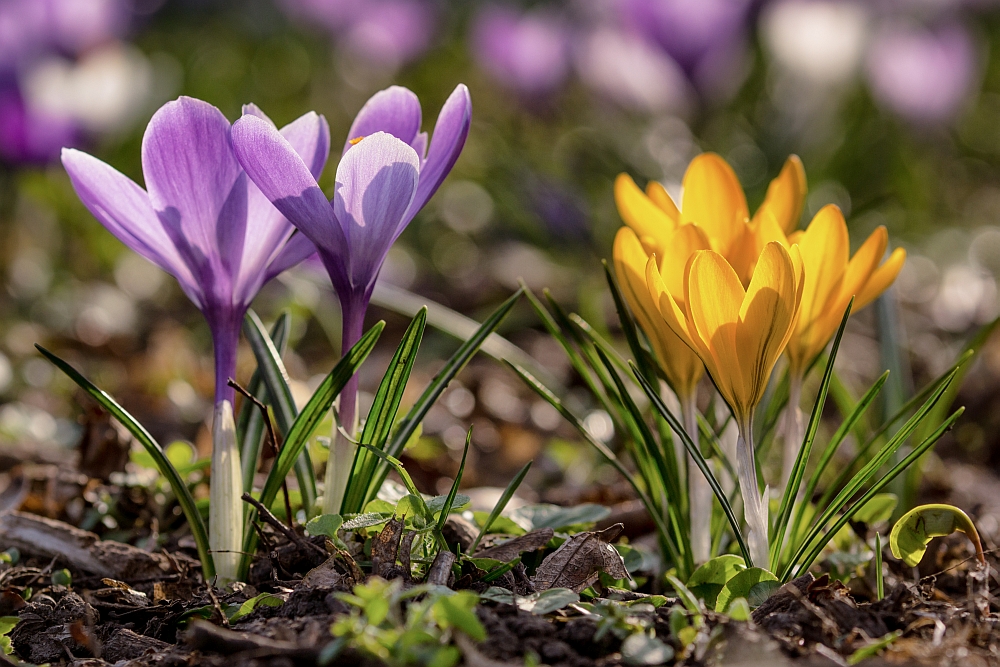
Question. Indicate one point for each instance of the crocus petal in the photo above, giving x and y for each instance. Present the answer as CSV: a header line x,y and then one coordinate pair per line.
x,y
395,110
639,212
285,179
195,186
863,264
786,194
296,249
766,316
713,198
882,278
671,312
450,132
125,210
675,254
662,198
376,182
680,364
267,229
825,249
715,295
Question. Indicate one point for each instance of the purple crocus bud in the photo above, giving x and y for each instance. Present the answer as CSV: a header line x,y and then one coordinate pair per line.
x,y
923,75
387,173
528,53
203,221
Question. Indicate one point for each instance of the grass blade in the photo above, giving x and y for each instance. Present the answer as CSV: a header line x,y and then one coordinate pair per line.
x,y
153,448
272,370
675,424
865,474
250,424
408,425
508,493
382,415
917,452
604,451
799,467
304,425
450,500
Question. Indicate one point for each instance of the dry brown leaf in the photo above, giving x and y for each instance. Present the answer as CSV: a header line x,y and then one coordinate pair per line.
x,y
578,562
511,549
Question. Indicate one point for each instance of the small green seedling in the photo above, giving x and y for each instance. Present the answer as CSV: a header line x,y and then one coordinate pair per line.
x,y
915,529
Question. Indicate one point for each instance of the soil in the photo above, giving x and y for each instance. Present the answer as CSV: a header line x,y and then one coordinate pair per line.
x,y
156,612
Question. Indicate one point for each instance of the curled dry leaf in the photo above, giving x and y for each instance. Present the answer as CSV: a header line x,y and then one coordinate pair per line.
x,y
511,549
578,562
384,549
440,569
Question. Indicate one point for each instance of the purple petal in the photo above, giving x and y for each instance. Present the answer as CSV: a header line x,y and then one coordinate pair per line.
x,y
124,209
194,184
280,173
450,132
297,249
267,229
395,110
376,181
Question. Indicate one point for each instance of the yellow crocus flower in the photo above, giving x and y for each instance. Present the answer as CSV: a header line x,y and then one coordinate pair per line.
x,y
832,278
738,334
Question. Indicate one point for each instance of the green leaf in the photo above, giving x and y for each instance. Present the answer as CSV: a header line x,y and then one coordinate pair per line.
x,y
325,524
915,529
643,649
382,414
265,599
365,520
7,624
163,464
508,493
782,520
456,363
250,423
709,579
450,501
873,649
303,427
740,586
686,596
879,578
272,370
459,611
536,517
878,509
547,601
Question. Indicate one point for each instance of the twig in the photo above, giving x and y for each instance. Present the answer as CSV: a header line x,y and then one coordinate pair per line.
x,y
270,438
273,521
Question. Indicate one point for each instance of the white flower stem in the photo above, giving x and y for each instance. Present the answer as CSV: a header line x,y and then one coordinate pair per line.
x,y
754,505
792,429
699,490
225,510
338,465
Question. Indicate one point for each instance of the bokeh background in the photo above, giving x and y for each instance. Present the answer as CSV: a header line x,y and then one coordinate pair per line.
x,y
893,106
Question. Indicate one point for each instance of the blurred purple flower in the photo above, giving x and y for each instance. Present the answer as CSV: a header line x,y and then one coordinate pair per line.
x,y
387,173
707,38
200,219
388,33
31,137
924,75
29,28
527,52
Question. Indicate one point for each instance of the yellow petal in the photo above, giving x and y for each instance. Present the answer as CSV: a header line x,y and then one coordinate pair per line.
x,y
680,364
883,276
766,317
639,212
673,257
715,295
863,264
786,194
759,232
659,195
669,309
825,248
713,199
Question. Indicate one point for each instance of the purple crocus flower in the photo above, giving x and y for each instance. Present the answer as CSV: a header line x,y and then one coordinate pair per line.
x,y
388,171
202,220
528,53
923,75
30,136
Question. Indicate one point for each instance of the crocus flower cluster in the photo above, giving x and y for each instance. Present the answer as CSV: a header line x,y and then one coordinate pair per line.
x,y
715,289
228,207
